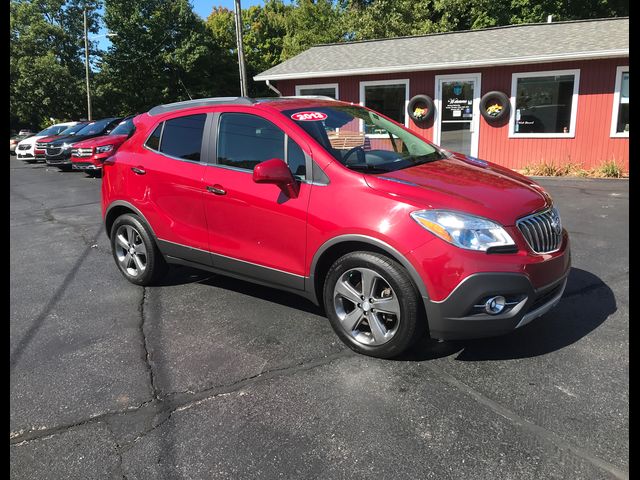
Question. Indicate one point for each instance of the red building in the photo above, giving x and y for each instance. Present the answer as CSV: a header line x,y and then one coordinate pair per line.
x,y
563,88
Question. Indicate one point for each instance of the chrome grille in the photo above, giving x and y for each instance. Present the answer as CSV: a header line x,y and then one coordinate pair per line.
x,y
24,146
82,152
542,231
41,145
53,151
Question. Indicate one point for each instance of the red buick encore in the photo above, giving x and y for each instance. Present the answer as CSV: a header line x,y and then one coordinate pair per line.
x,y
395,237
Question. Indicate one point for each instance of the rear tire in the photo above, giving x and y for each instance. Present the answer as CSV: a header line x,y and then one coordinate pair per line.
x,y
373,305
135,251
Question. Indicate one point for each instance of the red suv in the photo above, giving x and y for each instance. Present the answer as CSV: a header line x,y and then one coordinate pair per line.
x,y
393,235
89,155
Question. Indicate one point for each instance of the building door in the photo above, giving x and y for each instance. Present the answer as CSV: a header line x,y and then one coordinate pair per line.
x,y
457,112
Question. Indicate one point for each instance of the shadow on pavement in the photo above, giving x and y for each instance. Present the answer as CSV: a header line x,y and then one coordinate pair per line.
x,y
179,275
567,323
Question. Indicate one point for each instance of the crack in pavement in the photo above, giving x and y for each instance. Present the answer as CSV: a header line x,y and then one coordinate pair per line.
x,y
163,407
146,354
542,433
118,450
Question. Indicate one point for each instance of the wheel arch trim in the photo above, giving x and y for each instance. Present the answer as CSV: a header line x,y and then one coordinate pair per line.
x,y
123,203
391,251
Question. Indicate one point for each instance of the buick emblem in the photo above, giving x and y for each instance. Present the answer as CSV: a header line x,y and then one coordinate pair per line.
x,y
555,223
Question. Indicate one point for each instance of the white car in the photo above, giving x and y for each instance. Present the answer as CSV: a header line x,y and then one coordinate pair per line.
x,y
25,149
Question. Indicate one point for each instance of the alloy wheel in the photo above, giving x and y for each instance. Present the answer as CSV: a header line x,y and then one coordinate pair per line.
x,y
130,250
367,306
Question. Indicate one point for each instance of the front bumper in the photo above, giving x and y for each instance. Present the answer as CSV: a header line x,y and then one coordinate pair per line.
x,y
530,291
26,156
457,318
85,166
93,162
58,160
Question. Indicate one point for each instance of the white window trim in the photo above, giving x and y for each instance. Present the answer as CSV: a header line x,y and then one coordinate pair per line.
x,y
319,85
616,104
370,83
574,103
475,120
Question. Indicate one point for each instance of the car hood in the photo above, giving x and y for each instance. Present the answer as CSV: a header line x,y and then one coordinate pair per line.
x,y
52,138
466,184
31,140
72,139
115,140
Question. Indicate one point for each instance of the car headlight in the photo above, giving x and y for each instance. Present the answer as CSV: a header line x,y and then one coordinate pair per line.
x,y
463,230
104,149
66,146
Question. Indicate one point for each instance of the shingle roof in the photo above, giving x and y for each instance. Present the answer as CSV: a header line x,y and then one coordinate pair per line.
x,y
514,44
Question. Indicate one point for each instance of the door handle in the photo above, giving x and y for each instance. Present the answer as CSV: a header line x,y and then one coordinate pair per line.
x,y
217,189
138,170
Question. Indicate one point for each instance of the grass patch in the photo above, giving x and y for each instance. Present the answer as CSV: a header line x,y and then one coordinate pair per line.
x,y
608,169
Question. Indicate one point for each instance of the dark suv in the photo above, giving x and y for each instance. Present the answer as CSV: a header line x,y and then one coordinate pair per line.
x,y
58,152
393,235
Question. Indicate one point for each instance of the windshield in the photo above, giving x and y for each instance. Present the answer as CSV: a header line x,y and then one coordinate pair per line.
x,y
95,127
125,127
53,130
385,148
72,130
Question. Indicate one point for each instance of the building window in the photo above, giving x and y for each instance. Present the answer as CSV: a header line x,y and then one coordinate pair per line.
x,y
620,117
389,97
544,104
324,90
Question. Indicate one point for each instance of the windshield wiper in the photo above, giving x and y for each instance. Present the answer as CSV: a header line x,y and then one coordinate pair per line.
x,y
422,159
368,168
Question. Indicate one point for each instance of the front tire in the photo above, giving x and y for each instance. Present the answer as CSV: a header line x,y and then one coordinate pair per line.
x,y
135,252
372,304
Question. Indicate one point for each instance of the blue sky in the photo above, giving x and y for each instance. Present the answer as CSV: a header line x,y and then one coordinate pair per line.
x,y
201,7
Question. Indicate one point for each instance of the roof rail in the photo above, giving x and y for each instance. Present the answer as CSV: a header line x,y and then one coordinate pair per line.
x,y
315,97
200,102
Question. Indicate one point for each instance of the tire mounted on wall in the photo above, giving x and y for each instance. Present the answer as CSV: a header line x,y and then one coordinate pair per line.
x,y
491,102
422,101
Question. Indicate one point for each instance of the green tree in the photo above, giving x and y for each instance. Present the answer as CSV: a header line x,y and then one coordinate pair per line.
x,y
312,22
263,29
161,53
46,65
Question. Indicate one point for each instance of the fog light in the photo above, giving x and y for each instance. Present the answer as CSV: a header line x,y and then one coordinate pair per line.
x,y
495,305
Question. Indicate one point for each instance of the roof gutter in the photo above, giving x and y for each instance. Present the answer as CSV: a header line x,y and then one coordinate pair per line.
x,y
563,57
273,88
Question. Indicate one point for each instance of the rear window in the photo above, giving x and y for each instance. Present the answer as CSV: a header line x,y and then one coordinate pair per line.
x,y
182,137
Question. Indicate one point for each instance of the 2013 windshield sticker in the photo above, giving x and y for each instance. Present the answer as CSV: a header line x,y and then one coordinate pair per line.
x,y
309,116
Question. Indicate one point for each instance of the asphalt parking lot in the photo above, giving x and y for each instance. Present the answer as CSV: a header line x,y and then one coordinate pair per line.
x,y
210,377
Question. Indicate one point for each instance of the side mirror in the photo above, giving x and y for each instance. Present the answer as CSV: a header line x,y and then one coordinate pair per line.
x,y
277,172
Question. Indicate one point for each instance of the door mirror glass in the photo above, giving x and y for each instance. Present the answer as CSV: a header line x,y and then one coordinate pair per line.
x,y
277,172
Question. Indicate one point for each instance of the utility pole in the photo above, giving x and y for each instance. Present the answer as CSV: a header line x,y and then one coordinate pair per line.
x,y
86,64
243,72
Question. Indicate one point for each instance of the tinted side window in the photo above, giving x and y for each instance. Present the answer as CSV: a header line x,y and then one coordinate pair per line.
x,y
246,140
182,137
153,142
